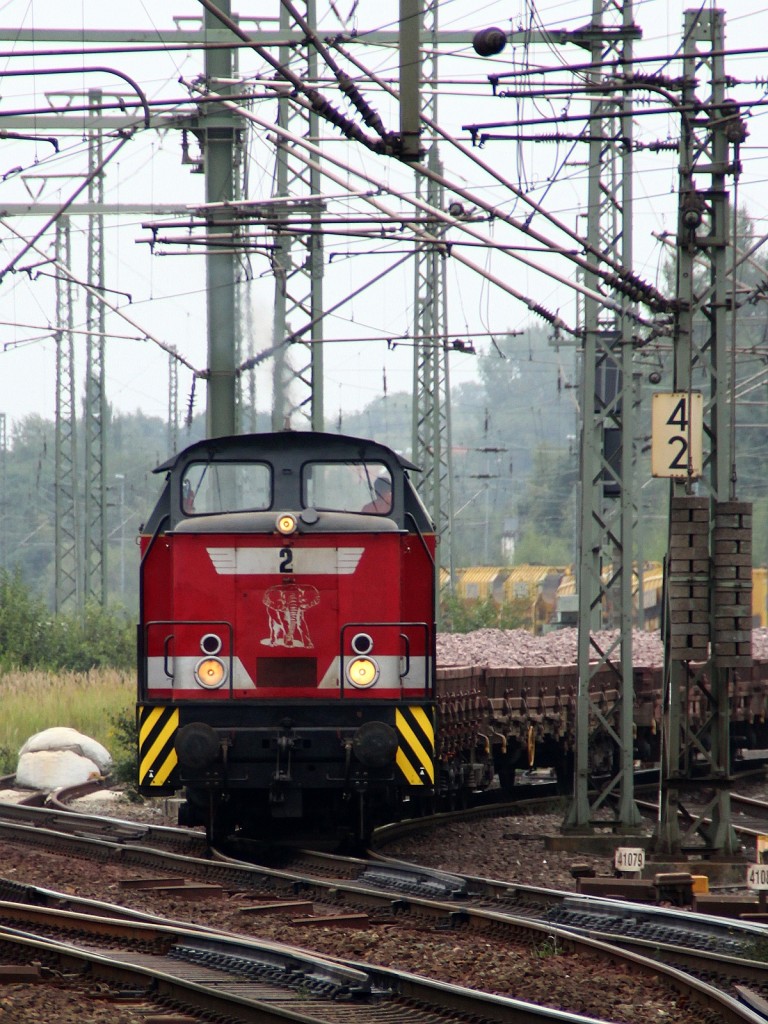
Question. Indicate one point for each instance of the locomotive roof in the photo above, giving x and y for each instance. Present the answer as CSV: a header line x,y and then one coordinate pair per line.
x,y
282,442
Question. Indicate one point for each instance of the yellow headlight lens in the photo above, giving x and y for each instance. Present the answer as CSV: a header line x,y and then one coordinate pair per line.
x,y
362,672
286,523
210,673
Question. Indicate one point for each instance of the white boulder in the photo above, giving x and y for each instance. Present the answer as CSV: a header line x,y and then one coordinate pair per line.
x,y
59,758
47,770
64,738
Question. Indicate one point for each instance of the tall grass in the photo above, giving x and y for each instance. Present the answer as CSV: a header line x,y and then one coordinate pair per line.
x,y
92,702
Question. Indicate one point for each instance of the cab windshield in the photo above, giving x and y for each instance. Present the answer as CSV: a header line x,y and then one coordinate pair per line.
x,y
208,488
349,486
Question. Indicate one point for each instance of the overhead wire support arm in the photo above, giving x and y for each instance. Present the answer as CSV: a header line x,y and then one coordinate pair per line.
x,y
144,334
640,291
24,137
98,69
94,173
323,107
531,304
622,281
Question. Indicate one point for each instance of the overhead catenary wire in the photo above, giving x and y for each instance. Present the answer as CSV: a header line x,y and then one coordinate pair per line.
x,y
364,38
624,281
445,218
323,168
97,294
523,196
456,242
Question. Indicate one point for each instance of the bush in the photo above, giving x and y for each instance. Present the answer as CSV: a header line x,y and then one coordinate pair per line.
x,y
32,638
100,638
460,616
124,749
24,625
8,759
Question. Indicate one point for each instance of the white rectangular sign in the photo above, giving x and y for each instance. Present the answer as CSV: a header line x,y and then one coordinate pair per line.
x,y
677,426
757,876
629,858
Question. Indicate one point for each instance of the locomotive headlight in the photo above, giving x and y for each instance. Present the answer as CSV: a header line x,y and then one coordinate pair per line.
x,y
362,643
286,523
210,673
362,672
210,643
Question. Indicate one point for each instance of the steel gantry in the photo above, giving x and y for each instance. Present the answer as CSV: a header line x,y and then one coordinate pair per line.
x,y
604,731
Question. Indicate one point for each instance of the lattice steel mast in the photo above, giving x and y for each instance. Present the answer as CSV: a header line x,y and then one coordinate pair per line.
x,y
606,541
709,562
95,552
67,573
431,432
298,263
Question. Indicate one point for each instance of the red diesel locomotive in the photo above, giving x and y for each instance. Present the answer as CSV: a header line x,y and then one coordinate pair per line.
x,y
287,638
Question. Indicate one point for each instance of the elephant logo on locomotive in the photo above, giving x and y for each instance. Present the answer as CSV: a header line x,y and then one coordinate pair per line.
x,y
286,606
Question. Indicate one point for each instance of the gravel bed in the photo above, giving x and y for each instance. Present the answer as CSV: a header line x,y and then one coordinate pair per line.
x,y
517,647
509,848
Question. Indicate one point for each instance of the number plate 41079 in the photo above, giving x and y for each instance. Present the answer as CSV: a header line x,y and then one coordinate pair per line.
x,y
629,858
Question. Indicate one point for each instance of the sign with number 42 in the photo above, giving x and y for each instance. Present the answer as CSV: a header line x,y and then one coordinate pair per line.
x,y
677,421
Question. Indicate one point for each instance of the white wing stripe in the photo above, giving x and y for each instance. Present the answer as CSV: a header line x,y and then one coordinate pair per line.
x,y
348,559
224,560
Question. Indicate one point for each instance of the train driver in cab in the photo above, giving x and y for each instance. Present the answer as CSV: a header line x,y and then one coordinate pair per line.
x,y
382,501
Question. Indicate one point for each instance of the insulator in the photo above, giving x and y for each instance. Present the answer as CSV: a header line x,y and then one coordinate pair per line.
x,y
489,41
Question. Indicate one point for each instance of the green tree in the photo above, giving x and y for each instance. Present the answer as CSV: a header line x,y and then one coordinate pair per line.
x,y
32,638
547,505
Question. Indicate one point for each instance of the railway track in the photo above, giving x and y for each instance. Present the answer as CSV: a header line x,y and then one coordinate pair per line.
x,y
192,969
411,898
187,970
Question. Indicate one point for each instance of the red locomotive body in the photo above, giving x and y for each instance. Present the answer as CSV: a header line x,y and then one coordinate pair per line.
x,y
286,637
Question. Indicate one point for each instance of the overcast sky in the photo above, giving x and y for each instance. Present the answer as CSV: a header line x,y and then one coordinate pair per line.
x,y
163,294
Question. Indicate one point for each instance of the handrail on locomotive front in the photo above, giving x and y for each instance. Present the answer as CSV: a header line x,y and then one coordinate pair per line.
x,y
169,637
430,680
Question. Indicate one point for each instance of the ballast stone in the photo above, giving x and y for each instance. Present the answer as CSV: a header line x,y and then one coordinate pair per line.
x,y
59,758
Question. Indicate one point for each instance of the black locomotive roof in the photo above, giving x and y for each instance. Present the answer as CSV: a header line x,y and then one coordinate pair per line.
x,y
290,450
302,442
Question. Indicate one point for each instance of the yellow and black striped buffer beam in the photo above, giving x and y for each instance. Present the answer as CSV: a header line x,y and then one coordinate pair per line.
x,y
416,745
158,760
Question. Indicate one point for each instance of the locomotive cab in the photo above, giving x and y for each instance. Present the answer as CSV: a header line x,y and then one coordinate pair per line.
x,y
286,638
